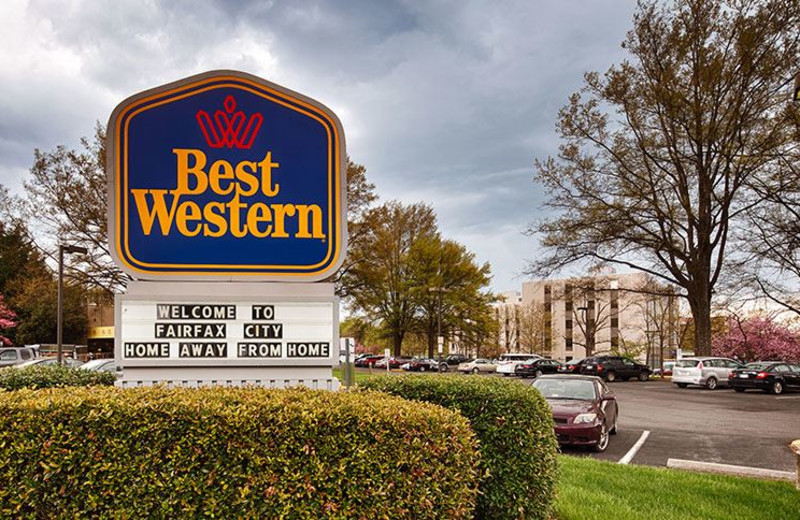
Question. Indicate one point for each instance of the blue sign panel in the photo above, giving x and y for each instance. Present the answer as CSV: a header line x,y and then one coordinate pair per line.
x,y
225,175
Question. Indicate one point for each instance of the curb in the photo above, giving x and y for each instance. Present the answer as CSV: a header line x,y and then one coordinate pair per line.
x,y
727,469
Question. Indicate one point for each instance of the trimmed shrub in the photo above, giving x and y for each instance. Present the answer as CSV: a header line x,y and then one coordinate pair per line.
x,y
514,426
231,453
52,376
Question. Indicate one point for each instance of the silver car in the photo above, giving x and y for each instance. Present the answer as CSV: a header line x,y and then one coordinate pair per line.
x,y
709,372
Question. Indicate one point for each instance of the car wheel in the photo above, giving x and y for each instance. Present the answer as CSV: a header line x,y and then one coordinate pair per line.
x,y
711,383
422,369
538,373
443,367
682,385
475,370
602,444
777,388
643,376
739,390
613,430
611,377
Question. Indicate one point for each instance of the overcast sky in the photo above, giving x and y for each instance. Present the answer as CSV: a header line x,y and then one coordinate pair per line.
x,y
446,102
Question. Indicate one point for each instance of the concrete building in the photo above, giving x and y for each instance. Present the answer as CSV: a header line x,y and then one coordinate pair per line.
x,y
572,318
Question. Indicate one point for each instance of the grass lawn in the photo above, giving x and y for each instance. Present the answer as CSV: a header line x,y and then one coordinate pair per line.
x,y
591,489
360,376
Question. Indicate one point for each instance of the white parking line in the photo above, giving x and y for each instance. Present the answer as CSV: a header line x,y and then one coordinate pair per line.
x,y
635,449
789,397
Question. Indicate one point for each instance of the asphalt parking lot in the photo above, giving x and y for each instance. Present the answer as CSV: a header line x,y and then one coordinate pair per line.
x,y
751,429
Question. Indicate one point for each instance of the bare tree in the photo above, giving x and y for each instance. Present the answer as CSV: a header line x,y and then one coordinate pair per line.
x,y
663,155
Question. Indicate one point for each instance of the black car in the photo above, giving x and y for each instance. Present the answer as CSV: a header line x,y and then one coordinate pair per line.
x,y
769,376
571,367
536,367
453,360
612,368
421,365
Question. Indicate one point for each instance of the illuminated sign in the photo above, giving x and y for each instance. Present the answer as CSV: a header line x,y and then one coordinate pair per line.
x,y
246,333
226,176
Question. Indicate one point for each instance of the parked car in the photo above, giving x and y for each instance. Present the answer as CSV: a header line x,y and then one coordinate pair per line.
x,y
421,365
394,362
478,365
585,411
709,372
453,360
508,362
368,361
15,355
571,367
536,367
666,370
612,368
101,365
770,376
49,361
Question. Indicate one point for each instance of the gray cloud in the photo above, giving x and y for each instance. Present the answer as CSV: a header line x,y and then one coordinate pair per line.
x,y
446,102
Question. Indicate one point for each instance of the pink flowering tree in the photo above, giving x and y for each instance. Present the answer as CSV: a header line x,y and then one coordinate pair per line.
x,y
757,338
7,321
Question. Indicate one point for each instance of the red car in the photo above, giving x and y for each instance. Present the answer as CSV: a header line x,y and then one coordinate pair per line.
x,y
584,409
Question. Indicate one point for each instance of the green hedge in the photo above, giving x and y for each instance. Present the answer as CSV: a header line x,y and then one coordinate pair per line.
x,y
12,378
514,425
231,453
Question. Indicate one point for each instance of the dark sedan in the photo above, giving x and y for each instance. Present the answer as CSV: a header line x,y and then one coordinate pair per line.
x,y
536,367
770,376
584,409
571,367
421,365
612,368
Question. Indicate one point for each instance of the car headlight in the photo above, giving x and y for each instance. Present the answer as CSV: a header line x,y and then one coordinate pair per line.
x,y
585,418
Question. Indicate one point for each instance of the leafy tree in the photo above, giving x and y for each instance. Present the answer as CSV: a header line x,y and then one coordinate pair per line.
x,y
66,198
662,155
758,338
378,281
445,277
7,321
37,308
360,197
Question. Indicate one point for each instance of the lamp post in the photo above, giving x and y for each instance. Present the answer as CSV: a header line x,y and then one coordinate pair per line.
x,y
61,250
439,337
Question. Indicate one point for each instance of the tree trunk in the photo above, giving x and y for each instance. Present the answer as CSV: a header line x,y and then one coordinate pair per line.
x,y
431,342
700,304
397,339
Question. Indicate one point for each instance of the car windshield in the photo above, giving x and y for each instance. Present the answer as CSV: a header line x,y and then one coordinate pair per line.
x,y
687,363
580,389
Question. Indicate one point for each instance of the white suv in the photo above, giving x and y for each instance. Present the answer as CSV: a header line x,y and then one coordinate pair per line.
x,y
508,362
703,371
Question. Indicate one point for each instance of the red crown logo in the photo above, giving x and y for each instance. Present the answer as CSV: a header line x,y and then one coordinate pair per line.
x,y
229,130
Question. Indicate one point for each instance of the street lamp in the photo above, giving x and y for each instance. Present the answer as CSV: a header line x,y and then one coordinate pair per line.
x,y
440,338
61,250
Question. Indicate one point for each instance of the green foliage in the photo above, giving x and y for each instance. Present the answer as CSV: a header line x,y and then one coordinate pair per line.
x,y
231,453
36,304
12,378
514,425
